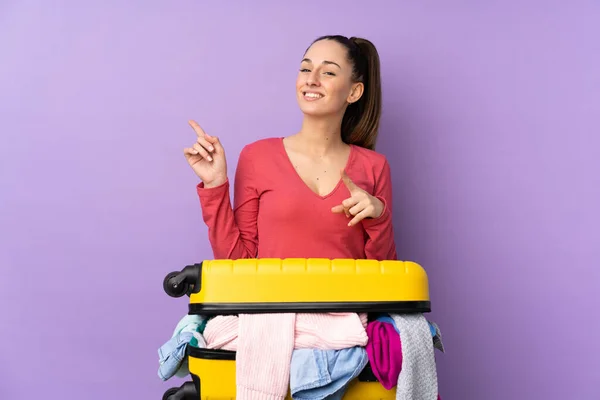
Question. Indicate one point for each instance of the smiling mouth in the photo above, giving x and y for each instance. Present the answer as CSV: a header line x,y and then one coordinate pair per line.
x,y
312,96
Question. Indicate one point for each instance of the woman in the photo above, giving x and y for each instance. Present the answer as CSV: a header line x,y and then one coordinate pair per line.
x,y
321,193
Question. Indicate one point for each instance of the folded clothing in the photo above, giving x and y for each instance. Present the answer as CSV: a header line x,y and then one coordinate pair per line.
x,y
436,333
418,380
385,352
324,374
263,356
171,355
328,331
387,319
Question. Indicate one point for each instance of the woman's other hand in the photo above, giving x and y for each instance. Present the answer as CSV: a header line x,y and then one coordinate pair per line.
x,y
360,204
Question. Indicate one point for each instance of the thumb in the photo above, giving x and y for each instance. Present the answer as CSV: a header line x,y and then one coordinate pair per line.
x,y
348,182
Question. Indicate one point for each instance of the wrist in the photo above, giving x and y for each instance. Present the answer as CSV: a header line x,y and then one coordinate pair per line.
x,y
379,207
215,182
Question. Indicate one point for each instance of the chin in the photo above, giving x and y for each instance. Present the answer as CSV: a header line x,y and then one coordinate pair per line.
x,y
314,109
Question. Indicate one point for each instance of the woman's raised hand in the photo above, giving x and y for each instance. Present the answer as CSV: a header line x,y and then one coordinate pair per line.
x,y
207,158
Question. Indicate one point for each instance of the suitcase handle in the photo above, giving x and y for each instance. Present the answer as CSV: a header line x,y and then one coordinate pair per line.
x,y
184,282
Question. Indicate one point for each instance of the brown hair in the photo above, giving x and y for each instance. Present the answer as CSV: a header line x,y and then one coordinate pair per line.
x,y
360,124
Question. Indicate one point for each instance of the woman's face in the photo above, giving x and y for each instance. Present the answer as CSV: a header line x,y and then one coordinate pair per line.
x,y
324,85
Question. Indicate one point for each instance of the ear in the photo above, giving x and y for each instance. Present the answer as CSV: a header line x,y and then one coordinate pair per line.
x,y
356,92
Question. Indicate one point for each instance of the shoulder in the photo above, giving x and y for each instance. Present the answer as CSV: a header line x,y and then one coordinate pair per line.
x,y
255,151
370,169
257,161
370,159
261,145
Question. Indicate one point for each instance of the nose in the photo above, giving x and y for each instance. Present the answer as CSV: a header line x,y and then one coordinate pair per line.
x,y
313,79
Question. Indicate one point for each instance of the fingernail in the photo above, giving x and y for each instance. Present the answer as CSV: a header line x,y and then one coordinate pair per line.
x,y
211,148
209,158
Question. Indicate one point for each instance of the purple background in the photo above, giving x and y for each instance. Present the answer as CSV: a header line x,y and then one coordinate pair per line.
x,y
491,124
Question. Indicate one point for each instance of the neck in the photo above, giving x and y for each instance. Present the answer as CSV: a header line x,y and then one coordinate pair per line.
x,y
321,135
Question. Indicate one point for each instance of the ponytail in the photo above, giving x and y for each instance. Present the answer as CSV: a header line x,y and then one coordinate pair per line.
x,y
360,123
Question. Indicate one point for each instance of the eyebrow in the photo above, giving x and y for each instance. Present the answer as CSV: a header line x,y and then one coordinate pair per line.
x,y
324,62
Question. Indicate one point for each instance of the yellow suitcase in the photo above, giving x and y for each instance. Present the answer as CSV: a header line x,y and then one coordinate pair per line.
x,y
221,287
301,285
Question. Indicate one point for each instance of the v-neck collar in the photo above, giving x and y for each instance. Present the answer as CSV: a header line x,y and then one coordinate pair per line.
x,y
291,165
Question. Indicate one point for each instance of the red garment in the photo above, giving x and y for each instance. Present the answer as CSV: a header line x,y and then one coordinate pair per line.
x,y
276,215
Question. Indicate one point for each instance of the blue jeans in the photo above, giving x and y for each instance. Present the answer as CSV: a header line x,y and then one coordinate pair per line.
x,y
172,354
324,374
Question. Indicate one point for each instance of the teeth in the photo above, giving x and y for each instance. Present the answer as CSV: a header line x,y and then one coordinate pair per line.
x,y
313,95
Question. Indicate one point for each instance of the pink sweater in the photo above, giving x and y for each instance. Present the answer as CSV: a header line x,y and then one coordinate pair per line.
x,y
264,344
330,331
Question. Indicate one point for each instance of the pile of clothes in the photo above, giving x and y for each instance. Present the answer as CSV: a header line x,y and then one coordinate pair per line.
x,y
314,355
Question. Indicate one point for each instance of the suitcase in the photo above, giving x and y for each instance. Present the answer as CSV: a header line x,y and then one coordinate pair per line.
x,y
225,287
301,285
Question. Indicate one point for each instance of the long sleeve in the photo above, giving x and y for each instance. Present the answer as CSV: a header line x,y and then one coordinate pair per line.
x,y
232,231
380,244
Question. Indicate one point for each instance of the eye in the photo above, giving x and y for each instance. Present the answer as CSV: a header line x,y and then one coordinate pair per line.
x,y
304,70
329,73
